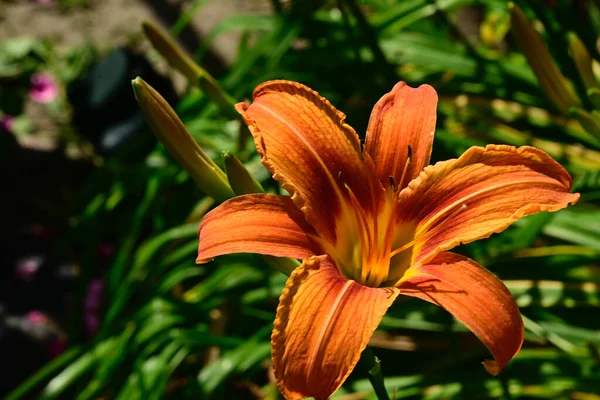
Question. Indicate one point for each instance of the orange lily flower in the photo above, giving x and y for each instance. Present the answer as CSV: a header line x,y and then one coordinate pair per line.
x,y
374,222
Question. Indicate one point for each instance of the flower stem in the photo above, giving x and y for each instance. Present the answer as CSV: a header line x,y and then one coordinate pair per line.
x,y
371,364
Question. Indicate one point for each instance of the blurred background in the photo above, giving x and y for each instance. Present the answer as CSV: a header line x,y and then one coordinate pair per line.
x,y
99,294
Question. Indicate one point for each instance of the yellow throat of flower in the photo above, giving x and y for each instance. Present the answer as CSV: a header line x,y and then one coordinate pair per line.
x,y
375,249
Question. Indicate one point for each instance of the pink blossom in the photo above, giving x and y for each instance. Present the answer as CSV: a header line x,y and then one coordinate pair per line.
x,y
44,2
46,330
6,123
43,89
28,267
37,317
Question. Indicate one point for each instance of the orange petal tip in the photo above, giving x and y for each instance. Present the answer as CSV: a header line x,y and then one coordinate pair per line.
x,y
491,367
241,107
200,261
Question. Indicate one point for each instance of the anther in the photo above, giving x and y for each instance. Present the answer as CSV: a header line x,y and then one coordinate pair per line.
x,y
392,184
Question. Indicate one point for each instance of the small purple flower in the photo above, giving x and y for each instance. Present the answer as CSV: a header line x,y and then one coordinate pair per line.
x,y
57,347
44,2
94,295
92,306
106,250
6,123
92,324
43,89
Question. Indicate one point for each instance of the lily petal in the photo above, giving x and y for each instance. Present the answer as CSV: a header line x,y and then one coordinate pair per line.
x,y
480,193
324,321
475,297
309,149
403,118
256,223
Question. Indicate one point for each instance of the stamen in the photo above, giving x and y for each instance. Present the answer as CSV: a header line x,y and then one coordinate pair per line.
x,y
405,247
406,165
425,227
374,249
359,212
363,228
384,257
435,219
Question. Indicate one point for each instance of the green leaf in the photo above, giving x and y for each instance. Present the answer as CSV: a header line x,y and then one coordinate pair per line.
x,y
237,360
576,225
224,278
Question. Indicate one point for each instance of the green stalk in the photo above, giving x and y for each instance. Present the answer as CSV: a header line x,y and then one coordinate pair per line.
x,y
179,60
371,364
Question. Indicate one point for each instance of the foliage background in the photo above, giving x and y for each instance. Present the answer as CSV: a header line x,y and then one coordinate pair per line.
x,y
172,329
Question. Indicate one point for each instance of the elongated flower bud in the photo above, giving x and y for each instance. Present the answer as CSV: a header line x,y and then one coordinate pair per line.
x,y
177,58
173,134
240,179
169,129
551,80
590,122
594,96
582,60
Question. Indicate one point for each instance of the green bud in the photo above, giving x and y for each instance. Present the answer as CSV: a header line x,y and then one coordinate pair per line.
x,y
173,134
282,264
240,179
177,58
552,82
589,121
582,60
594,96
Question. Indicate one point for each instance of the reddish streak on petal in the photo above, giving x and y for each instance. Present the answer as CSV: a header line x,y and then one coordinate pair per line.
x,y
480,193
475,297
256,223
310,150
323,323
403,118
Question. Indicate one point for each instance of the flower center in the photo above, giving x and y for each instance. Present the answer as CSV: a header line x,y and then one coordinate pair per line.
x,y
375,244
385,247
378,244
376,249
